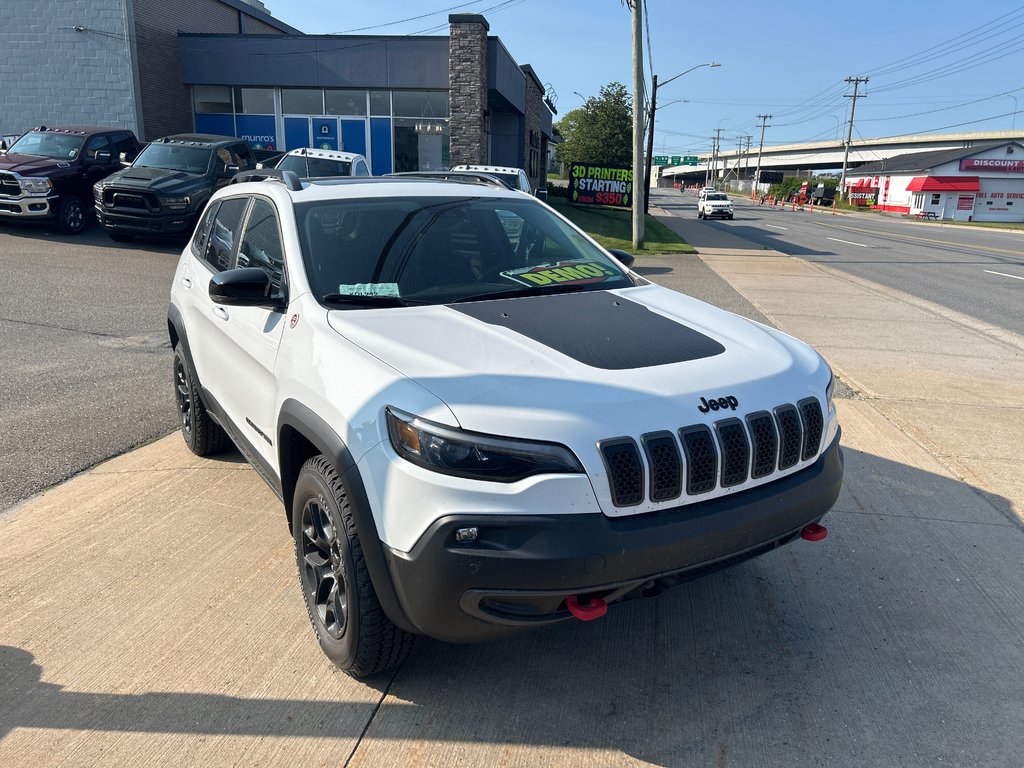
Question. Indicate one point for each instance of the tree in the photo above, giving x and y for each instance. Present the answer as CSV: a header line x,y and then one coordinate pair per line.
x,y
601,131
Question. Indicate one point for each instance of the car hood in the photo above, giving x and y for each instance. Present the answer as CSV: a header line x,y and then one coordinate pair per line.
x,y
160,180
594,365
32,165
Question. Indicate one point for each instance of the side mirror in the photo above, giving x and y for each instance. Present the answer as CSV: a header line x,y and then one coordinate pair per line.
x,y
243,287
227,171
259,166
625,257
542,193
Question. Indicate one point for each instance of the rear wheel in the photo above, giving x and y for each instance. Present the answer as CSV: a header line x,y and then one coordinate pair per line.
x,y
350,625
202,434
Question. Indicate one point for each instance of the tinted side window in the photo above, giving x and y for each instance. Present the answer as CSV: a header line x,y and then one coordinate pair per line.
x,y
123,142
220,246
242,156
203,230
261,242
95,145
361,169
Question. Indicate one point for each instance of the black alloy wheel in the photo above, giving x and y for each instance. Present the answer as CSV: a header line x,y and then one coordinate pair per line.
x,y
183,397
201,433
323,568
71,215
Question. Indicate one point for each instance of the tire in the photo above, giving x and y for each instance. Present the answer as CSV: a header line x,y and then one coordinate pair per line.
x,y
347,618
202,435
121,237
71,215
730,216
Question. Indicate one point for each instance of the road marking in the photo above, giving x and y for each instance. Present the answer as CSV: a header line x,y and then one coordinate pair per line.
x,y
1003,274
859,245
883,234
775,227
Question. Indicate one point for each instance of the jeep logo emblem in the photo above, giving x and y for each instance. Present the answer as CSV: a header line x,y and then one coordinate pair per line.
x,y
720,404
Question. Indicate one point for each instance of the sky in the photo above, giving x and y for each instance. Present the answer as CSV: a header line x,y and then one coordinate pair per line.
x,y
935,67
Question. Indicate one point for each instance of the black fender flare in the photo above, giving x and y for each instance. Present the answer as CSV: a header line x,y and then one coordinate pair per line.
x,y
296,419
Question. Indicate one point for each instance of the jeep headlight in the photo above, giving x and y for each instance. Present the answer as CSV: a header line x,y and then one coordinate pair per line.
x,y
35,186
473,455
176,203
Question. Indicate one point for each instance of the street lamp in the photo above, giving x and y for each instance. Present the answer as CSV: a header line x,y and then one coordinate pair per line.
x,y
655,85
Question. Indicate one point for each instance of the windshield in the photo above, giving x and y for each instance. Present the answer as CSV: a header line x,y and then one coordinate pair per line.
x,y
393,251
718,196
174,157
56,145
314,167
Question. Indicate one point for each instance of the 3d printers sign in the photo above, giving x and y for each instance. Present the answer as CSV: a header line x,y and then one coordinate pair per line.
x,y
600,185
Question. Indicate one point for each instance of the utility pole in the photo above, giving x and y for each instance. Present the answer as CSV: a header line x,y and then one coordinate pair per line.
x,y
714,157
849,131
760,147
650,142
638,125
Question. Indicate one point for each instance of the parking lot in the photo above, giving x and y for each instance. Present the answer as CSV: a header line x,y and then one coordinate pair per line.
x,y
149,610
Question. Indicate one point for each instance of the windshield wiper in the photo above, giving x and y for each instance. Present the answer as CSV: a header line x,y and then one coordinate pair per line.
x,y
374,301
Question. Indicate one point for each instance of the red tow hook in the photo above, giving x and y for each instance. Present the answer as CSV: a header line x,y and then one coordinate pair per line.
x,y
594,608
813,532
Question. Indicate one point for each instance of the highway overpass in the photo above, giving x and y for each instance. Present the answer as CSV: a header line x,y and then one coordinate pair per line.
x,y
825,155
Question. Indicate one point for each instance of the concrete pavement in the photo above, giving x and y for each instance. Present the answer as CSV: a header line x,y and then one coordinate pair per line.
x,y
149,610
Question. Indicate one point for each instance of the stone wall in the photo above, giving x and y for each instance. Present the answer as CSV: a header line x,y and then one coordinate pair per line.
x,y
467,88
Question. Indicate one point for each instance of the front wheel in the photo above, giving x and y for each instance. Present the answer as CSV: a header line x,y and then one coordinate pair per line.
x,y
347,618
70,215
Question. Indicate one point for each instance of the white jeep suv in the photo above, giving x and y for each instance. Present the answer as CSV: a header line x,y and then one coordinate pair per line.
x,y
473,436
714,204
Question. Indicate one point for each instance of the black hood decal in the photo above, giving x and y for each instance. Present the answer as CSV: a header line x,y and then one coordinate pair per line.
x,y
597,328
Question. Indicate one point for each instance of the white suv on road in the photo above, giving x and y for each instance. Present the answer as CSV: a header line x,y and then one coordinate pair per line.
x,y
714,204
474,435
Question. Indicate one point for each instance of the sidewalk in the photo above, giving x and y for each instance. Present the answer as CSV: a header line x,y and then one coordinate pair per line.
x,y
951,382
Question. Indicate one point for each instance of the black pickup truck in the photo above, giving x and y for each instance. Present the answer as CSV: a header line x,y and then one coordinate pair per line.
x,y
49,172
163,192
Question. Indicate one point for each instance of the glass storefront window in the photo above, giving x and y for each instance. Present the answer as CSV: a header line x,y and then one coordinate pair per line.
x,y
423,150
302,101
420,103
345,102
254,101
212,99
380,103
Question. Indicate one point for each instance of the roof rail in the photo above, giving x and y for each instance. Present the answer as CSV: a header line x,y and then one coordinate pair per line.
x,y
468,177
288,178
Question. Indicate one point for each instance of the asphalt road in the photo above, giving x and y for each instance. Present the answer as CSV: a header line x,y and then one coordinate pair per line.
x,y
85,365
975,271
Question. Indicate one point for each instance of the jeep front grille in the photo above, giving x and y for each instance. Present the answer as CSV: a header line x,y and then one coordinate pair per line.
x,y
724,455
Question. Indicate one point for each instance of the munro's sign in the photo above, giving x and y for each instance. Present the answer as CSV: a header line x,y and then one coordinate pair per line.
x,y
600,185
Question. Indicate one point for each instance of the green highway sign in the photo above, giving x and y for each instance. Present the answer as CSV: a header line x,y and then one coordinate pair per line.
x,y
661,159
676,159
690,160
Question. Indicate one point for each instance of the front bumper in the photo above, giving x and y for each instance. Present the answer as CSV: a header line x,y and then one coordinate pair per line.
x,y
175,223
722,213
28,207
520,570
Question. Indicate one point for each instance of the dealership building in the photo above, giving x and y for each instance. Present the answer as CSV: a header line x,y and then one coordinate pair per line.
x,y
229,67
980,183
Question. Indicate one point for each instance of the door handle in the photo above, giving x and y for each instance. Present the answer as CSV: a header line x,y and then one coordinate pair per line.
x,y
186,282
221,313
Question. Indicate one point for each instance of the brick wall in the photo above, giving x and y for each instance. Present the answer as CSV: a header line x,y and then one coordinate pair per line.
x,y
533,160
52,74
467,88
166,102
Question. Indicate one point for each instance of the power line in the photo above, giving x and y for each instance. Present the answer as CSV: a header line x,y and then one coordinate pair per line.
x,y
402,21
849,134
